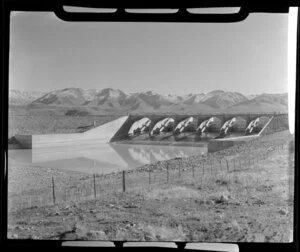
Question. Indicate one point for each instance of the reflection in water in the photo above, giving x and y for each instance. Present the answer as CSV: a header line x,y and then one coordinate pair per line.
x,y
100,158
141,156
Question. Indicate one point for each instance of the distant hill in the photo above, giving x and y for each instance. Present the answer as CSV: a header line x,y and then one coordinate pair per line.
x,y
263,103
111,100
220,99
17,97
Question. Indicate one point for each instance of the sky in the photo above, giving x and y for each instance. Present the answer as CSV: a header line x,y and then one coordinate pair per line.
x,y
48,54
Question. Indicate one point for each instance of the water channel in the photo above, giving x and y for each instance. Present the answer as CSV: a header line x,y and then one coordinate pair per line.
x,y
100,158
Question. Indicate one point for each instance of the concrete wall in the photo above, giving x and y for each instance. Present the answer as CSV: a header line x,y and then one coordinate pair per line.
x,y
215,145
122,133
275,123
106,131
49,140
278,123
101,133
221,144
22,142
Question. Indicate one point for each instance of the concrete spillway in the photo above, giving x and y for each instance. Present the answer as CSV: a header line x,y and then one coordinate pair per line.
x,y
193,128
122,130
100,134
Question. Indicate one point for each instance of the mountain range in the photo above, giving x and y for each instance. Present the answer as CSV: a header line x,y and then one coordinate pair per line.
x,y
115,100
18,97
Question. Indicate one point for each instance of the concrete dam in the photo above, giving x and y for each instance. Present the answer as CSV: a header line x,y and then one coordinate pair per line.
x,y
192,128
220,130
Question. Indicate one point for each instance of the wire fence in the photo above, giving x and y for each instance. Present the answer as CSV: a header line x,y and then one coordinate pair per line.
x,y
97,185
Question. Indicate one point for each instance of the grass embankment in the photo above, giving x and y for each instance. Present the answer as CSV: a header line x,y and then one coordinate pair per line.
x,y
247,205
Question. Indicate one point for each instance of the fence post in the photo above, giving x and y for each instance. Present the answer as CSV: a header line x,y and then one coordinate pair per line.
x,y
203,168
234,164
124,187
227,165
66,195
149,176
95,186
179,171
53,191
220,165
214,168
167,172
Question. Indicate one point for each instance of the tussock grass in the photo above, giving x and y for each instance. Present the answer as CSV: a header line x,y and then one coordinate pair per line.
x,y
172,192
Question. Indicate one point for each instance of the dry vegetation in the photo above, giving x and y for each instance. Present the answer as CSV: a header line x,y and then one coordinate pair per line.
x,y
253,203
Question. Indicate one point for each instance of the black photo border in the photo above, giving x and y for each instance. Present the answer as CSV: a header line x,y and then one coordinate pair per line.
x,y
121,16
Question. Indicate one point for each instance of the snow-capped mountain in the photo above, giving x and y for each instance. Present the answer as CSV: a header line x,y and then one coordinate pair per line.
x,y
64,97
193,98
115,100
79,97
263,103
18,97
221,99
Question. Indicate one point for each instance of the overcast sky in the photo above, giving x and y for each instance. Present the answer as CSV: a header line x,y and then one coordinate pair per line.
x,y
250,57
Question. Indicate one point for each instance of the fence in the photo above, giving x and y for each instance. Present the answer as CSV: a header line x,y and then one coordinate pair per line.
x,y
171,172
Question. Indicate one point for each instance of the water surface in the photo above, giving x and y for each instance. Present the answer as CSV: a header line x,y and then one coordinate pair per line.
x,y
100,158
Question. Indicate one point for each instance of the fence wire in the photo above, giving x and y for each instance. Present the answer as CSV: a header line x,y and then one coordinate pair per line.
x,y
97,185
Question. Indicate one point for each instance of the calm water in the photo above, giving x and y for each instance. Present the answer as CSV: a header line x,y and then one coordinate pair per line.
x,y
100,158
